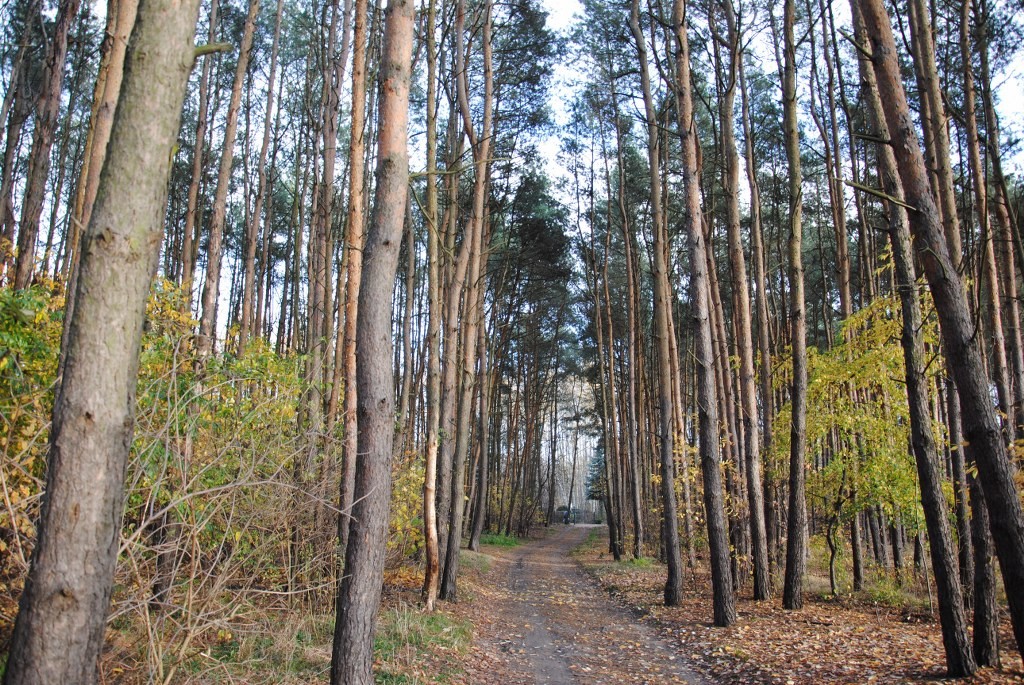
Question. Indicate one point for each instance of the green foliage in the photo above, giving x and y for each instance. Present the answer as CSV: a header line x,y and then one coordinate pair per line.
x,y
499,540
405,535
858,423
886,591
30,328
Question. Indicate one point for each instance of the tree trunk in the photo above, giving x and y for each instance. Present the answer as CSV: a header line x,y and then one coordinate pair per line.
x,y
933,121
796,543
761,302
252,227
960,346
46,111
1002,230
215,252
472,310
355,239
986,608
432,564
59,631
190,239
959,659
744,336
710,456
482,477
120,20
662,331
360,589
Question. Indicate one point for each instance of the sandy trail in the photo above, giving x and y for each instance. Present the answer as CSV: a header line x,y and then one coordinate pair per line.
x,y
560,628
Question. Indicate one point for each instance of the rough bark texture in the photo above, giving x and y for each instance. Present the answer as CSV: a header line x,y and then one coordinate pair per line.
x,y
662,331
432,563
744,336
246,324
796,542
960,345
959,659
120,20
471,311
359,594
707,402
190,237
986,609
59,630
356,239
959,656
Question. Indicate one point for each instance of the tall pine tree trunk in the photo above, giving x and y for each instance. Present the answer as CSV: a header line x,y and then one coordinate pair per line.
x,y
359,593
252,227
662,331
215,251
46,110
710,455
58,634
960,345
796,543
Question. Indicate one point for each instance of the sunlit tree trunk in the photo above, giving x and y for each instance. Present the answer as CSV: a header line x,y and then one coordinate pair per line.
x,y
430,215
933,122
1002,230
120,20
959,657
796,529
482,476
359,593
252,227
960,345
761,306
58,634
215,252
662,331
355,240
744,336
710,456
190,239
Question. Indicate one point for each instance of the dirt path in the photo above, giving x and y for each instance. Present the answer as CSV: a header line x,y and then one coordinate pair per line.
x,y
554,625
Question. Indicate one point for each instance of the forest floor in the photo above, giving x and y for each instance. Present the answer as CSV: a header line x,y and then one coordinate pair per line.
x,y
543,619
559,610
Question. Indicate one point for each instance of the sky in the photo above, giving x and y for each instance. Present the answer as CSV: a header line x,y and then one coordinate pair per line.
x,y
1008,87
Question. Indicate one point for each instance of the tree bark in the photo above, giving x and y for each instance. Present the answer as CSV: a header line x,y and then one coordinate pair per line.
x,y
120,20
744,336
432,564
960,345
959,658
662,331
360,589
46,111
252,227
215,252
59,631
190,239
796,542
707,402
355,239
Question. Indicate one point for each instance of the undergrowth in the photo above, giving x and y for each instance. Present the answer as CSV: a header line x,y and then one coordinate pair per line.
x,y
499,540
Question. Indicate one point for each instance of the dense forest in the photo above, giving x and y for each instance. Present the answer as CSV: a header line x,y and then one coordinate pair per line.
x,y
297,294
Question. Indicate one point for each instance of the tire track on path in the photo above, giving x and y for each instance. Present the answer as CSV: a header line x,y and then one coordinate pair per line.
x,y
566,630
